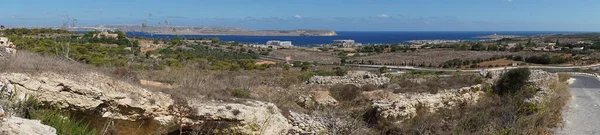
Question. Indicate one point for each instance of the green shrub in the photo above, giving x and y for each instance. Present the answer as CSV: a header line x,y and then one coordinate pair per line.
x,y
513,81
241,93
63,122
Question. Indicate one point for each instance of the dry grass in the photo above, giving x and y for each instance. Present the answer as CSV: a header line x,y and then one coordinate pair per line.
x,y
438,56
27,62
33,63
303,55
431,83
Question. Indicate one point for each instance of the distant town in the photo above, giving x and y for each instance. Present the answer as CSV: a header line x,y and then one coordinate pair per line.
x,y
187,30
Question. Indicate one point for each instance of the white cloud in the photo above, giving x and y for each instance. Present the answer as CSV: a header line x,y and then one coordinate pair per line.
x,y
298,16
383,16
508,0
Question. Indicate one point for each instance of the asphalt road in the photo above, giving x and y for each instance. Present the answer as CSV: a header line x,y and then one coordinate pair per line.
x,y
582,117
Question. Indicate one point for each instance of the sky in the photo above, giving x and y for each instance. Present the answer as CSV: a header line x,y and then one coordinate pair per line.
x,y
340,15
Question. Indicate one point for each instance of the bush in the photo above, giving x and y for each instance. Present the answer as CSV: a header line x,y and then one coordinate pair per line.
x,y
513,81
63,122
347,92
370,87
240,93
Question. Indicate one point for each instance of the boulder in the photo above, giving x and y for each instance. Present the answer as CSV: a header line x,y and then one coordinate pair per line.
x,y
20,126
317,98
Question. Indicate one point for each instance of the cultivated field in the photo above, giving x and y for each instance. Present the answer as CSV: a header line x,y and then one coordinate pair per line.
x,y
439,56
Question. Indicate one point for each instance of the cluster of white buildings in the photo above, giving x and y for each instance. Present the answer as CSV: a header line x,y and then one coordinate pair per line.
x,y
279,43
344,43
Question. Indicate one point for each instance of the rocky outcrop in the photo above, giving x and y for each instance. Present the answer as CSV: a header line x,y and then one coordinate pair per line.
x,y
317,98
20,126
133,109
358,78
540,79
252,117
403,106
307,124
543,81
6,51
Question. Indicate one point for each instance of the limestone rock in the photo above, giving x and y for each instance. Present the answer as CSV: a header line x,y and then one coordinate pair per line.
x,y
133,107
255,117
317,98
20,126
403,106
93,93
358,78
324,98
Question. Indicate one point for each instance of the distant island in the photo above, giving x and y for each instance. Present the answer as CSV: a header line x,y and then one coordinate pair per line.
x,y
189,30
496,36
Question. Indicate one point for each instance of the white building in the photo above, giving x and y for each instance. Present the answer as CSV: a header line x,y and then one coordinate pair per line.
x,y
578,48
280,43
344,43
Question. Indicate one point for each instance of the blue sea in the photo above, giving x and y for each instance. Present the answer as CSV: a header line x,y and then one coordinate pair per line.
x,y
370,37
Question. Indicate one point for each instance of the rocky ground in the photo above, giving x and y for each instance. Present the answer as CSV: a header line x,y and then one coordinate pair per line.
x,y
358,78
140,111
20,126
103,98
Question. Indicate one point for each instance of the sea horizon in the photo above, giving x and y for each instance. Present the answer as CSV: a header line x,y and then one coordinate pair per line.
x,y
364,37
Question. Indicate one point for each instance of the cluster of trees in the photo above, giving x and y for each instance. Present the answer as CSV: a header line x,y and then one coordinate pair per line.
x,y
121,39
89,53
382,48
547,59
25,31
93,50
479,47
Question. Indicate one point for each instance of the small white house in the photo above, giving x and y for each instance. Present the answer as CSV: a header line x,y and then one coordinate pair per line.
x,y
280,43
578,48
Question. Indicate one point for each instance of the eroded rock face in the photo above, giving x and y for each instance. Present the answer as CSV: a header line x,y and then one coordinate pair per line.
x,y
20,126
358,78
540,79
90,93
404,106
134,109
543,81
254,117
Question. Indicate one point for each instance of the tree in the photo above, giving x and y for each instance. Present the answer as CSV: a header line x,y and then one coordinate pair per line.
x,y
513,81
181,110
286,67
214,40
383,69
478,47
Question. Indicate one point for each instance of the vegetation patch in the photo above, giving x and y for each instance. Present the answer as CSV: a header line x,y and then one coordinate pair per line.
x,y
501,112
